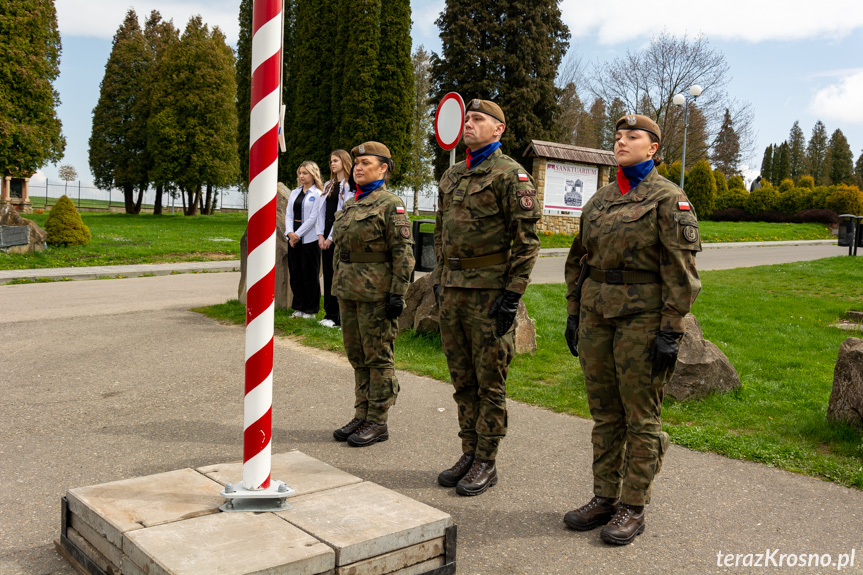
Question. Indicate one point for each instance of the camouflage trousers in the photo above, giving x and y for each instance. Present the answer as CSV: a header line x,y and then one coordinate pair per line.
x,y
478,363
624,393
368,336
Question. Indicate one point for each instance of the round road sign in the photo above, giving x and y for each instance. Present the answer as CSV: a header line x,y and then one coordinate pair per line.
x,y
449,121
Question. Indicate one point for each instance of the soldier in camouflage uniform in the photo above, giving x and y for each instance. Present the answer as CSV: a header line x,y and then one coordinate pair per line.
x,y
373,261
486,246
638,239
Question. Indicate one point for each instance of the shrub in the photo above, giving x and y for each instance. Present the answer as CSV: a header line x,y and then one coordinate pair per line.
x,y
731,215
736,182
816,198
762,200
65,226
845,200
791,200
826,217
662,169
700,188
785,185
772,217
674,172
732,198
806,182
721,183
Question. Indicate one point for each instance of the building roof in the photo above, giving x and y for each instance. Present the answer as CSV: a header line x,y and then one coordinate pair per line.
x,y
565,152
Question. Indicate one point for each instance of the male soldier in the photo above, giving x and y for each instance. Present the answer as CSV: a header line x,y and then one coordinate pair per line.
x,y
630,280
486,246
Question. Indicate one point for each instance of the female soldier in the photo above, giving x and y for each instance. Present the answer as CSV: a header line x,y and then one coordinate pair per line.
x,y
373,261
335,192
631,275
304,255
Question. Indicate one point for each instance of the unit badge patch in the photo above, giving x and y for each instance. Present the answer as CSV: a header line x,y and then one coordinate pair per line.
x,y
526,203
690,234
405,231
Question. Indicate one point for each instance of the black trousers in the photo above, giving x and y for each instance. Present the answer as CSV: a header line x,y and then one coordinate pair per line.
x,y
304,265
331,302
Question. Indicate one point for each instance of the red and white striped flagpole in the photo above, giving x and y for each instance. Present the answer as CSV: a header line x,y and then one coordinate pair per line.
x,y
261,261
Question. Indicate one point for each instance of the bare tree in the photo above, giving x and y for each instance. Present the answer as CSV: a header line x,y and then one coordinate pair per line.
x,y
67,173
647,80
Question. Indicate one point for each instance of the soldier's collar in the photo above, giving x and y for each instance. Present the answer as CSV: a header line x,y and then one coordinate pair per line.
x,y
483,168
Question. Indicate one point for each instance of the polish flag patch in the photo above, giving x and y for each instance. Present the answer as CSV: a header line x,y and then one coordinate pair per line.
x,y
683,206
523,178
401,210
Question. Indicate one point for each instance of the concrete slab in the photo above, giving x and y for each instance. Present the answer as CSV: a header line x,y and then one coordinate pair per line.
x,y
113,509
365,520
229,544
95,556
398,561
421,568
111,552
299,471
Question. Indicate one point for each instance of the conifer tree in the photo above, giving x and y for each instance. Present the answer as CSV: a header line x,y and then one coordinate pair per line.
x,y
841,159
507,51
65,226
781,167
358,93
419,174
394,101
726,149
858,171
721,182
593,136
244,90
701,188
796,152
193,136
816,153
767,163
30,131
616,109
118,140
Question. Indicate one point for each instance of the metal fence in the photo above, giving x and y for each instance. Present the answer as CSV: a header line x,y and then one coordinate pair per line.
x,y
45,194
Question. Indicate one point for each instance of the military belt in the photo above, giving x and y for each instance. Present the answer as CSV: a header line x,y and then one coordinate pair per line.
x,y
365,257
624,276
477,262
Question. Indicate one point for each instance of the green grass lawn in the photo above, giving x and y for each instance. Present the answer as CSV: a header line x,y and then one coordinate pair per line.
x,y
145,238
773,323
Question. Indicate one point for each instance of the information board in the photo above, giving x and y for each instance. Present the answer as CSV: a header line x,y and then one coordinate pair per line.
x,y
568,187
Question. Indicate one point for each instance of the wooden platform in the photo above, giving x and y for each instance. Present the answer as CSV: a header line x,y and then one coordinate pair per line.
x,y
170,523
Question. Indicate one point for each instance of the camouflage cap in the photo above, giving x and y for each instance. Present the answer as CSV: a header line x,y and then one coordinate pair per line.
x,y
638,122
371,149
487,107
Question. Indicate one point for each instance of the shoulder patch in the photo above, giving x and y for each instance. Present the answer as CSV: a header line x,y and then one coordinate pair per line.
x,y
526,203
525,192
683,206
690,234
523,177
400,209
405,231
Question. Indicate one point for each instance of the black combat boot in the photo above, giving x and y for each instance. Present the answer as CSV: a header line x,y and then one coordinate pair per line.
x,y
342,433
450,477
368,433
481,476
625,525
598,511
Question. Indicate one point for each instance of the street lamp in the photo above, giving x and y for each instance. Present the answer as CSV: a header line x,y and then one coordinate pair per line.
x,y
680,100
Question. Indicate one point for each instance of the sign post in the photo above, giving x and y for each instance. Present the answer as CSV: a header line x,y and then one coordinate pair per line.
x,y
258,492
449,123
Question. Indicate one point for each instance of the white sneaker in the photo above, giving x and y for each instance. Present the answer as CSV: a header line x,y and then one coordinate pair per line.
x,y
327,323
308,315
297,314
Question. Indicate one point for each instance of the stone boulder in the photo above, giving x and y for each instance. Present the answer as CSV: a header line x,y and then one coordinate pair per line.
x,y
283,284
846,398
12,222
701,368
421,315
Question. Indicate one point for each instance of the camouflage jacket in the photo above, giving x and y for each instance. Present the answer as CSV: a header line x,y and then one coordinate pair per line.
x,y
487,210
376,223
651,228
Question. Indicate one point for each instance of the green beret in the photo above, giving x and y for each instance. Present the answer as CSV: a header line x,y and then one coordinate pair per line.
x,y
638,122
371,149
487,107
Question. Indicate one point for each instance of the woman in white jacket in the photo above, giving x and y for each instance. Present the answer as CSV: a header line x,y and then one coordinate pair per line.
x,y
304,253
336,191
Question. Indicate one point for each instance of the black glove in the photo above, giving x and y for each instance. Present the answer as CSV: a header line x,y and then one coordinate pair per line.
x,y
663,353
436,289
504,309
395,305
571,334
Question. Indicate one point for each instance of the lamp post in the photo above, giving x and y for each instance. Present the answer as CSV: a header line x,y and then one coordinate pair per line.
x,y
680,100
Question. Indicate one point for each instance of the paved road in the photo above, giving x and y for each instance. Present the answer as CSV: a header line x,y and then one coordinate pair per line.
x,y
116,379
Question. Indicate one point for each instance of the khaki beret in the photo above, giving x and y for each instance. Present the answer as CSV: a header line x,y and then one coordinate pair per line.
x,y
487,107
371,149
638,122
